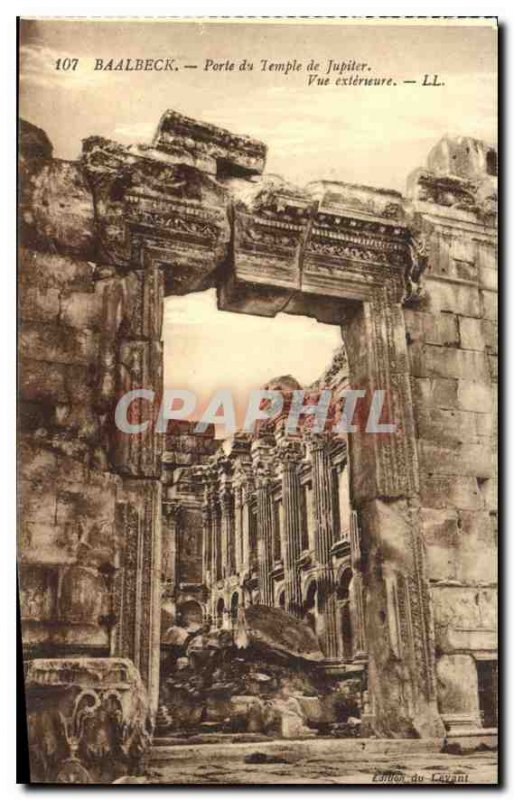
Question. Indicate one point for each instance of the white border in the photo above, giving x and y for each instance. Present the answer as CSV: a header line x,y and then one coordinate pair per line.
x,y
197,8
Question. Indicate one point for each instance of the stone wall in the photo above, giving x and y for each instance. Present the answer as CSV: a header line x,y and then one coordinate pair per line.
x,y
68,496
452,332
411,281
89,528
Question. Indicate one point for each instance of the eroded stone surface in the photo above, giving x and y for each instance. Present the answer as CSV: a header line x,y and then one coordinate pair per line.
x,y
232,154
413,282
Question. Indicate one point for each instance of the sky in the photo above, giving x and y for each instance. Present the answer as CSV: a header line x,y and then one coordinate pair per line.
x,y
358,134
206,349
368,135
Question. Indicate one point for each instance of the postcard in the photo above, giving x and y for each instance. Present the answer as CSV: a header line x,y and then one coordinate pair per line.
x,y
257,272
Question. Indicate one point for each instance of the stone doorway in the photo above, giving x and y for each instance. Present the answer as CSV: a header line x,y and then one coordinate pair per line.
x,y
368,308
124,227
313,253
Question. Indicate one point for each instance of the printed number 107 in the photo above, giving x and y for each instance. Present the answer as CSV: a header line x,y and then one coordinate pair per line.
x,y
66,64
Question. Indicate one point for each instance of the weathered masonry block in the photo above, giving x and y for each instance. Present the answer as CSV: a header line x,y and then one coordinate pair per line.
x,y
412,283
452,333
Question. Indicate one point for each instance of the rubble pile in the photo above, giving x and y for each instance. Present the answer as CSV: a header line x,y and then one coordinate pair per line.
x,y
264,676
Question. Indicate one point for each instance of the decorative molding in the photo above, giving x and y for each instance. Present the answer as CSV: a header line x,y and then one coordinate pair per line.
x,y
149,210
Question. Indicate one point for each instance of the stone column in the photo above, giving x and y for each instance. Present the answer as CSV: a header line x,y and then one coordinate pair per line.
x,y
263,474
324,539
238,528
216,554
290,456
207,535
245,528
215,530
169,545
356,591
227,531
227,517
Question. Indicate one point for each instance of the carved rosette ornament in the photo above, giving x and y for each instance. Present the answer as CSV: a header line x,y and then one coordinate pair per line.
x,y
87,721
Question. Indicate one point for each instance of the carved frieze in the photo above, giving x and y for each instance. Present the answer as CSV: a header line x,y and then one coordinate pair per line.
x,y
330,239
146,207
271,225
349,253
139,366
139,524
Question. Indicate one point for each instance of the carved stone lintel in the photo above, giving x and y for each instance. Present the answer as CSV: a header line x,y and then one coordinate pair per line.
x,y
332,239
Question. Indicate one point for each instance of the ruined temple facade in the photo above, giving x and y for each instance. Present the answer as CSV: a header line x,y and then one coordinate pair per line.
x,y
265,518
410,279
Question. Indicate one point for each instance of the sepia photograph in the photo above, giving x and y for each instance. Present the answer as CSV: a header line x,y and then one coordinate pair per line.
x,y
257,400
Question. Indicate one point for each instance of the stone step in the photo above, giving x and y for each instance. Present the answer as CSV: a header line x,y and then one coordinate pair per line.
x,y
467,741
214,737
289,749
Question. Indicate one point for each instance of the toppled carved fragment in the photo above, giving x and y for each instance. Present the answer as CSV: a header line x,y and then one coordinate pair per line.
x,y
233,154
88,720
271,225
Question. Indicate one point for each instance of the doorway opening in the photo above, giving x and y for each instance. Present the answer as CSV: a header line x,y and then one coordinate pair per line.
x,y
487,672
206,350
254,565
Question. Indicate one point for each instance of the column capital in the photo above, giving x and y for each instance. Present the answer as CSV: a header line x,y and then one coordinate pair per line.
x,y
242,475
224,467
289,450
170,508
209,480
226,497
317,442
262,462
